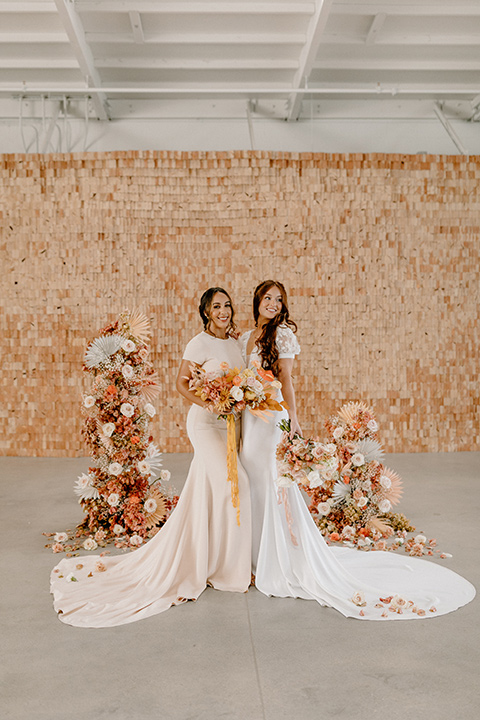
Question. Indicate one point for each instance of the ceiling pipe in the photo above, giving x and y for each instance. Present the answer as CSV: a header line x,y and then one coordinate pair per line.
x,y
451,132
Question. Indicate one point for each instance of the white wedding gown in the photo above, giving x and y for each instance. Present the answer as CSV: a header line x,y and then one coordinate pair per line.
x,y
312,570
201,542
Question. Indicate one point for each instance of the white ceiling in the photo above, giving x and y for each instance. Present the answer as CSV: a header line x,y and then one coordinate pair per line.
x,y
115,59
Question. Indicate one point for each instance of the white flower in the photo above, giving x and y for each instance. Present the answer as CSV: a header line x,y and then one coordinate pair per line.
x,y
314,479
236,392
372,425
128,346
115,468
364,542
71,578
108,429
127,409
128,372
61,537
384,506
284,482
398,603
332,464
257,387
359,599
323,508
90,544
143,353
276,384
89,401
362,502
420,539
348,531
118,529
149,409
143,467
338,432
385,482
113,499
85,488
150,505
330,448
165,475
358,459
136,540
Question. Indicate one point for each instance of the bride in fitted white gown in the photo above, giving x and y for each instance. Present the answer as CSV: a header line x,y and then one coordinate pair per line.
x,y
201,542
310,569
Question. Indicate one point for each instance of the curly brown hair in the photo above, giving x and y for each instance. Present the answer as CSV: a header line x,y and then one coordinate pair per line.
x,y
267,340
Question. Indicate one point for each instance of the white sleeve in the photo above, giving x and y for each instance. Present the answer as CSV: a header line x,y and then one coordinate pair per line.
x,y
287,343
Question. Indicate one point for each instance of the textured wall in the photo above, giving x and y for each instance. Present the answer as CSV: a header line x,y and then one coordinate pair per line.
x,y
380,254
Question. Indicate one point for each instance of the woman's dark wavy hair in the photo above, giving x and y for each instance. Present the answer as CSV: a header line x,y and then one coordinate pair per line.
x,y
266,342
206,305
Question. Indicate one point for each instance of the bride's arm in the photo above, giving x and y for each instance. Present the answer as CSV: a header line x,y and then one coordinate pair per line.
x,y
285,366
183,378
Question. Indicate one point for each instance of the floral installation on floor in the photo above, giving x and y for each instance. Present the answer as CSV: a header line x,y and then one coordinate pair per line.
x,y
352,494
125,494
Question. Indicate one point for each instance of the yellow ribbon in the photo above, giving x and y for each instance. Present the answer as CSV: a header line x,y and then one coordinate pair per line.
x,y
232,472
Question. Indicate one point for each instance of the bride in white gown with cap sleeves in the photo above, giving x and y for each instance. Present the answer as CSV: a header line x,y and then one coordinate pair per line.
x,y
308,568
201,543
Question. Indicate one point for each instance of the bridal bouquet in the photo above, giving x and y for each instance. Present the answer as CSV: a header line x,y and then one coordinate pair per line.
x,y
352,493
233,390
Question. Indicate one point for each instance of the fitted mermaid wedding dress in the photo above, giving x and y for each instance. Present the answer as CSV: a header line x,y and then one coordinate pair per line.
x,y
291,559
201,542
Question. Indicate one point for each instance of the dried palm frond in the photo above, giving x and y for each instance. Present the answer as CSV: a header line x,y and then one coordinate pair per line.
x,y
106,441
150,392
135,323
160,513
101,349
341,492
370,449
349,412
154,459
380,526
395,491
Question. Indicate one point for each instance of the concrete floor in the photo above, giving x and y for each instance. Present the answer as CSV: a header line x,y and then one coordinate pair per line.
x,y
235,656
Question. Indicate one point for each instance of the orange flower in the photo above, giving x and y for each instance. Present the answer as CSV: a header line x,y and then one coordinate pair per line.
x,y
334,537
135,439
134,500
237,380
110,392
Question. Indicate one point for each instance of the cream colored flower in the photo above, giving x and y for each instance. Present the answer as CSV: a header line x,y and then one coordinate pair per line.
x,y
115,469
330,448
61,537
362,502
314,479
90,544
165,475
128,372
338,432
420,539
323,508
372,425
143,353
384,506
89,401
143,467
398,603
236,392
108,429
385,482
359,598
358,459
149,409
127,409
150,505
113,499
100,566
136,540
276,384
128,346
118,530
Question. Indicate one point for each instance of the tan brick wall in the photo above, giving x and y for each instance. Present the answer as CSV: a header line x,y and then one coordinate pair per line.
x,y
380,254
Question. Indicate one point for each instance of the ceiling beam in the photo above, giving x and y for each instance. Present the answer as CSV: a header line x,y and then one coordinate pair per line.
x,y
27,7
407,8
395,64
196,8
308,54
391,39
76,34
201,38
195,64
137,28
30,37
377,24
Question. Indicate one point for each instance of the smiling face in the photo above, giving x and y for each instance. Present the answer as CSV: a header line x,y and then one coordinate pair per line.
x,y
220,314
270,305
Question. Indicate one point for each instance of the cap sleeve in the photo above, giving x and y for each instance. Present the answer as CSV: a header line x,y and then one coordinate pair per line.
x,y
243,340
287,343
195,350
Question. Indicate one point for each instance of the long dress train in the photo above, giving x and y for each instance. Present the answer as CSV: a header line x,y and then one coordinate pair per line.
x,y
201,542
291,559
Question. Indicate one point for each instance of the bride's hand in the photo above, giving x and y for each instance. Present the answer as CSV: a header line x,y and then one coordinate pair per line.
x,y
295,428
